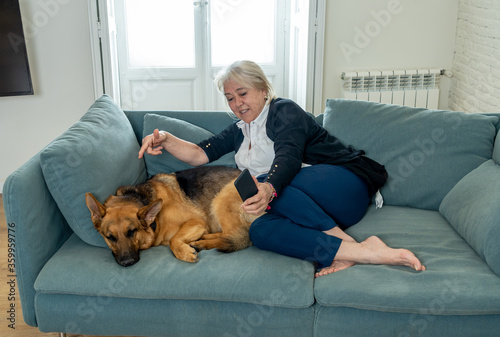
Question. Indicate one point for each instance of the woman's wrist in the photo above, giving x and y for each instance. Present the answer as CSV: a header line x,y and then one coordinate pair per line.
x,y
164,139
273,192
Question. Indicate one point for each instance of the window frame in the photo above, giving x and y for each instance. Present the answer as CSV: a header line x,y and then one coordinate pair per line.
x,y
104,53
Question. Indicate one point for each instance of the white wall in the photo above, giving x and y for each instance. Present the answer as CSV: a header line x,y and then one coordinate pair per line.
x,y
58,43
475,85
405,34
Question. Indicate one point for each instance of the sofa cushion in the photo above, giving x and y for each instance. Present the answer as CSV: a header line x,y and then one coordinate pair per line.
x,y
426,152
166,163
473,208
249,276
448,286
97,154
496,149
213,121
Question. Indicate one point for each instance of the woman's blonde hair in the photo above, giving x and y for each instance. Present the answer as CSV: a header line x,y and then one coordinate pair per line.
x,y
247,74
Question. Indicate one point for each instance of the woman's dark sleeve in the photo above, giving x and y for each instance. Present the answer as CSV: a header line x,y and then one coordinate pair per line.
x,y
288,126
222,143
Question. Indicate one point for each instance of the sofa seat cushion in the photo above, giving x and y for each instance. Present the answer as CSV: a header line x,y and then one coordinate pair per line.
x,y
165,162
426,152
449,286
97,154
249,276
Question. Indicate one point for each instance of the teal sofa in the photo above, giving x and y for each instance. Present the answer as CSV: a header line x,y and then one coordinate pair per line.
x,y
441,201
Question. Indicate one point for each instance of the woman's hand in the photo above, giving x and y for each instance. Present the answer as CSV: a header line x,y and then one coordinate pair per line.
x,y
257,204
153,144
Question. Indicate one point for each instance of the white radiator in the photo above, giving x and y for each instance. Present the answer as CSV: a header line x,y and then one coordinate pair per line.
x,y
416,88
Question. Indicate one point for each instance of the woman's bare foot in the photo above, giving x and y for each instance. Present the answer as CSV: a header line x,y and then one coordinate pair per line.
x,y
371,251
336,266
382,254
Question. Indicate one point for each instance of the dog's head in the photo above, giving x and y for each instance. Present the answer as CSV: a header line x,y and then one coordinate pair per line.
x,y
126,225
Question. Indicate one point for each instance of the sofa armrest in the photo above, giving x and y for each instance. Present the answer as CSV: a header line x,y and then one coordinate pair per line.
x,y
36,226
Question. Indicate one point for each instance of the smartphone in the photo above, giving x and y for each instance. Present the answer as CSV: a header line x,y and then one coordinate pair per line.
x,y
245,185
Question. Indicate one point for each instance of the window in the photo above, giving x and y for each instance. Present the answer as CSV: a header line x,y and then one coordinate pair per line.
x,y
146,39
163,54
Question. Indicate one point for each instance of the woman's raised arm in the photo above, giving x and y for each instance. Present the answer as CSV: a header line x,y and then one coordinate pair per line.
x,y
185,151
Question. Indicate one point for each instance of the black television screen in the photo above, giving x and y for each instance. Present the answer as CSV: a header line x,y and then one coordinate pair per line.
x,y
15,77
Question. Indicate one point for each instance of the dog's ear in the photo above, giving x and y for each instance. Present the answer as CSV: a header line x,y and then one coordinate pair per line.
x,y
97,210
148,213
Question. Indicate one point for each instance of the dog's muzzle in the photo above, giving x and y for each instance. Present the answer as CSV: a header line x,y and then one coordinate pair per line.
x,y
127,260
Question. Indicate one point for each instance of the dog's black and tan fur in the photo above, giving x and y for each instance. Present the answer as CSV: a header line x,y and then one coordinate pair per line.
x,y
188,210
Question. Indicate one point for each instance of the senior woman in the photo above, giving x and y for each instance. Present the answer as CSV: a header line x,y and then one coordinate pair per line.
x,y
310,185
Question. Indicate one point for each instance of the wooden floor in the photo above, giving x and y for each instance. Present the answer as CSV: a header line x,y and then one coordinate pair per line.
x,y
21,329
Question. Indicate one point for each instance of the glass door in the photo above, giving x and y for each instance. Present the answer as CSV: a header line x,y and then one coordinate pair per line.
x,y
170,50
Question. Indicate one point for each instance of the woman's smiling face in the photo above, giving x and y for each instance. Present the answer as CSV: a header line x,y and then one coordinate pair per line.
x,y
246,103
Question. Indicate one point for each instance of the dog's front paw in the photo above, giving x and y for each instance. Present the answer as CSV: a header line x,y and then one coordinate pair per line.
x,y
196,246
186,253
200,245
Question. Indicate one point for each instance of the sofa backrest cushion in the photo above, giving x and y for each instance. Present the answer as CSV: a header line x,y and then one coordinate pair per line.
x,y
166,163
97,154
426,152
213,121
472,208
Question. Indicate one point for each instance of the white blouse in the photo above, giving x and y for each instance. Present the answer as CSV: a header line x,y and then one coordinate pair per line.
x,y
256,152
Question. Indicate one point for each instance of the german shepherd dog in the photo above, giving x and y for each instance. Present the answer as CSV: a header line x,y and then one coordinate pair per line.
x,y
188,210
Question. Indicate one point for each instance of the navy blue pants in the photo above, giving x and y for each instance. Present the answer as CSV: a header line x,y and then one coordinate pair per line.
x,y
319,198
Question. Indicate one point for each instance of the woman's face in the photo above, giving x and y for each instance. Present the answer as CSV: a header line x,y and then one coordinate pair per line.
x,y
246,103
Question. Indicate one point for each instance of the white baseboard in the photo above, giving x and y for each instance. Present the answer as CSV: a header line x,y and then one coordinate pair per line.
x,y
1,186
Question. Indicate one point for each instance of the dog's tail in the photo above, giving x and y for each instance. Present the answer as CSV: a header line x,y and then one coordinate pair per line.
x,y
237,240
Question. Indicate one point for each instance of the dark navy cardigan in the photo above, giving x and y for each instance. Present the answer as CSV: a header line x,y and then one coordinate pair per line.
x,y
298,139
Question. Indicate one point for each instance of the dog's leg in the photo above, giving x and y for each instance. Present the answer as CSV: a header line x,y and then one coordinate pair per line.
x,y
233,221
189,231
207,241
205,244
211,236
